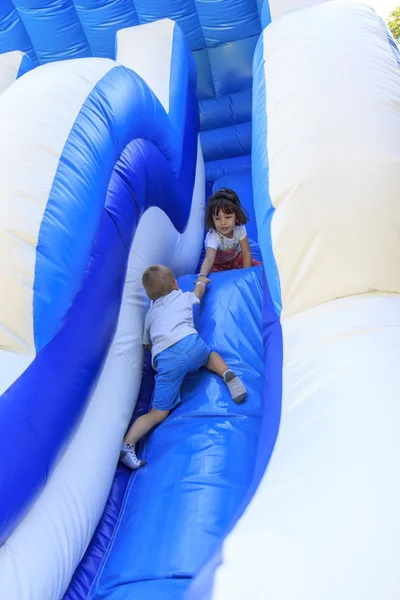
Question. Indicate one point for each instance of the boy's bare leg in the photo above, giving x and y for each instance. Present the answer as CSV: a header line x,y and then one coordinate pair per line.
x,y
144,424
216,364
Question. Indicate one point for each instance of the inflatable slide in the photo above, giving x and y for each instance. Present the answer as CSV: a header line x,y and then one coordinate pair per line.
x,y
118,118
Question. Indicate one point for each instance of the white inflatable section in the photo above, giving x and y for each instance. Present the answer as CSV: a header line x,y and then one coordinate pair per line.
x,y
40,557
280,7
34,142
15,364
333,113
324,522
10,63
154,41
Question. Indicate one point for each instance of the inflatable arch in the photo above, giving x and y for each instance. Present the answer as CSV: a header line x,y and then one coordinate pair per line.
x,y
117,119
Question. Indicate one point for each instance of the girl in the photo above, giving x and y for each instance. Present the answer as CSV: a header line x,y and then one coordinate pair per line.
x,y
227,244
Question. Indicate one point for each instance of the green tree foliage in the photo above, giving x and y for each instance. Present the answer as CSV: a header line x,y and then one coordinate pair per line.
x,y
394,23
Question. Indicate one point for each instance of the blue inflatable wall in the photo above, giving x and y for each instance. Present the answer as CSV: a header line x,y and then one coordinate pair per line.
x,y
222,37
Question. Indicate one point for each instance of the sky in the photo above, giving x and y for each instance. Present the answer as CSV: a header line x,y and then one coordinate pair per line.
x,y
382,7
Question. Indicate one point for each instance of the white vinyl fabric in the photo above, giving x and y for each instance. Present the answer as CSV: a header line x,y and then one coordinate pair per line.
x,y
135,42
324,522
333,113
280,7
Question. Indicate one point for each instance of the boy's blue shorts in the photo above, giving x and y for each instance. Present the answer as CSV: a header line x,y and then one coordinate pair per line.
x,y
189,354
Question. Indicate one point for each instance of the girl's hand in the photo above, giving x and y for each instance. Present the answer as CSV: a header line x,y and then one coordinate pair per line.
x,y
208,261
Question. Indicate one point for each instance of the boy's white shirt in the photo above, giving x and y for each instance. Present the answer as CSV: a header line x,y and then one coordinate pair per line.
x,y
169,320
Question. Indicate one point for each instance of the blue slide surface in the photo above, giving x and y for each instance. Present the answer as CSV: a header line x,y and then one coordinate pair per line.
x,y
200,460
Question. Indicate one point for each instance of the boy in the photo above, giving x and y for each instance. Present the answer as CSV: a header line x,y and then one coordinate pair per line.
x,y
176,349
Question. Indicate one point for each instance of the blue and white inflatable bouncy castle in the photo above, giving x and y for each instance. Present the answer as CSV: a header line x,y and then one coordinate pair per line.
x,y
117,119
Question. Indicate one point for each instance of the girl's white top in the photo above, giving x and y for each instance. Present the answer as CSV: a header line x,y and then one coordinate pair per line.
x,y
220,242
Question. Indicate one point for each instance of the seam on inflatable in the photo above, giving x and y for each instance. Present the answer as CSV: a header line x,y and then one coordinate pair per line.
x,y
115,224
49,10
13,9
260,174
39,445
141,22
194,4
265,16
81,24
10,550
44,464
114,535
175,73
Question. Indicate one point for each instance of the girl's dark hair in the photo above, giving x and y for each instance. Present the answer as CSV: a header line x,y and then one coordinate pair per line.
x,y
228,201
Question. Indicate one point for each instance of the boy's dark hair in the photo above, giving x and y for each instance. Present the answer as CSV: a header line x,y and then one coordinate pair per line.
x,y
228,201
158,281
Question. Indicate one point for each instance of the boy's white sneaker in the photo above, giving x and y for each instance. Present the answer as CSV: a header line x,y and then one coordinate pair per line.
x,y
129,458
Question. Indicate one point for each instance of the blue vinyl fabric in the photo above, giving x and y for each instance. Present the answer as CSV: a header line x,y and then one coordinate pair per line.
x,y
221,35
43,406
101,19
200,460
13,35
230,141
54,29
26,65
76,202
215,169
135,160
265,13
232,109
202,587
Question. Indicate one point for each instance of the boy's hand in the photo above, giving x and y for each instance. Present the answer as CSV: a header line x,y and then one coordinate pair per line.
x,y
200,289
202,279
